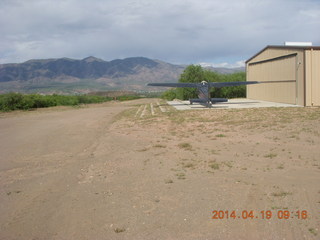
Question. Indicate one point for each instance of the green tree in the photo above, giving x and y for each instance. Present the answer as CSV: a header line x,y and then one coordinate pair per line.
x,y
230,92
193,74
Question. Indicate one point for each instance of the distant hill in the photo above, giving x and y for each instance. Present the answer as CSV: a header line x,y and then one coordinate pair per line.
x,y
65,75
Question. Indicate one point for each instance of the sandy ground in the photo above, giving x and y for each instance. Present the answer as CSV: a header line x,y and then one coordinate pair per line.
x,y
143,170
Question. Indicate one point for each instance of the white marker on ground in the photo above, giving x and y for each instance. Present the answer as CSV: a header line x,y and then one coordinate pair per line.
x,y
139,109
144,111
161,107
152,110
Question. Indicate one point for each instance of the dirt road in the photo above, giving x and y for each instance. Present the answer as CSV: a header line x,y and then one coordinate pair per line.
x,y
145,171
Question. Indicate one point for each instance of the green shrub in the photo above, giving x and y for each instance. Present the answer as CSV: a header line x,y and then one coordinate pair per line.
x,y
128,97
18,101
169,95
11,101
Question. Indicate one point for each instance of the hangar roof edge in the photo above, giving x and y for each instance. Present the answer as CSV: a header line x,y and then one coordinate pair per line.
x,y
284,47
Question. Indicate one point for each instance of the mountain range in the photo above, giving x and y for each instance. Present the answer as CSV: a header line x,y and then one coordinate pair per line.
x,y
65,75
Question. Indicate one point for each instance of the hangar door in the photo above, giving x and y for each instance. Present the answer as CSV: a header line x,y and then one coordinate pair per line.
x,y
275,69
312,78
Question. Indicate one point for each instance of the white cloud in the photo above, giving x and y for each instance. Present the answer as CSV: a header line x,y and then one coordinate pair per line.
x,y
237,64
181,31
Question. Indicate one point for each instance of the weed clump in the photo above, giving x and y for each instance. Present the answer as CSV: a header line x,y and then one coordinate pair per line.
x,y
215,166
186,146
270,155
119,230
281,194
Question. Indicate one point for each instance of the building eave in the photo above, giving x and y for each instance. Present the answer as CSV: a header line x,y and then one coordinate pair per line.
x,y
283,47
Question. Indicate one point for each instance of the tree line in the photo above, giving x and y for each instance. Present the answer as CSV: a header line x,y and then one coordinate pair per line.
x,y
19,101
195,74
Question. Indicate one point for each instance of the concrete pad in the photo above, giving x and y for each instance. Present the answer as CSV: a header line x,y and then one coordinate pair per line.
x,y
231,104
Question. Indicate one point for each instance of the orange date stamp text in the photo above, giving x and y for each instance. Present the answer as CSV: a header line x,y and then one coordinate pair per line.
x,y
264,214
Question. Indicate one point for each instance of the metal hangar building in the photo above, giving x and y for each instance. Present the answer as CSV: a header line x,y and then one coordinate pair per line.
x,y
298,67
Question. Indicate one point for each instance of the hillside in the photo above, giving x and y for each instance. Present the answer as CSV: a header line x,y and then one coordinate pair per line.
x,y
70,75
65,75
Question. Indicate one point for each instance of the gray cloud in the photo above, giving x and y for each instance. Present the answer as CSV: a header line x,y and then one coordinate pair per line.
x,y
180,31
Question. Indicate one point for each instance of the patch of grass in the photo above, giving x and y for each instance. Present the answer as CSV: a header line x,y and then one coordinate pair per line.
x,y
146,161
271,155
126,114
281,194
159,146
186,146
277,207
176,117
9,193
128,97
119,230
142,150
313,231
181,175
220,135
294,136
280,166
168,181
215,152
215,166
188,165
228,164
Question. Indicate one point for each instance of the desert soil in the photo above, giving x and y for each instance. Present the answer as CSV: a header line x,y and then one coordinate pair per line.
x,y
142,170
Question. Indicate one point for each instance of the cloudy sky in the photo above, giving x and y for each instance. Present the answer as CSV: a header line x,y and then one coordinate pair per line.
x,y
221,32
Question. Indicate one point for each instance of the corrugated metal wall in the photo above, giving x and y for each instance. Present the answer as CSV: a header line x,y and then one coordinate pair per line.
x,y
312,77
276,64
282,70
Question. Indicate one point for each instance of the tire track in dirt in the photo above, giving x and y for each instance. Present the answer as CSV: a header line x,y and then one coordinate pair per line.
x,y
151,110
